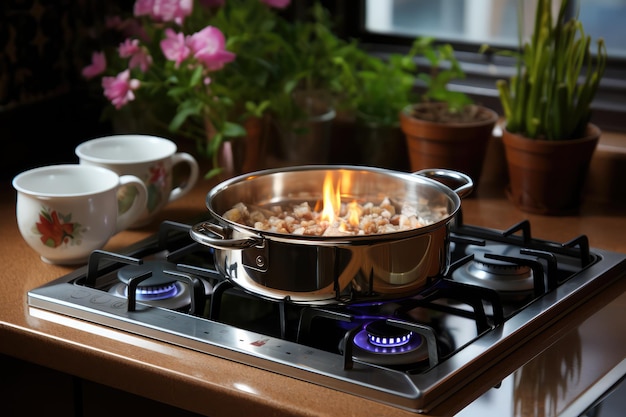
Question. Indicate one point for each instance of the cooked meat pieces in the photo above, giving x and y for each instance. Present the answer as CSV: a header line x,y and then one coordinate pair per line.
x,y
352,219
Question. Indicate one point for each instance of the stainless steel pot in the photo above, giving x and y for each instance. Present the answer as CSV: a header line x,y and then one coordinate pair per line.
x,y
326,270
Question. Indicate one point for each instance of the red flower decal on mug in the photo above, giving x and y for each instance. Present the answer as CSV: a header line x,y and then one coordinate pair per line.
x,y
56,229
157,175
156,185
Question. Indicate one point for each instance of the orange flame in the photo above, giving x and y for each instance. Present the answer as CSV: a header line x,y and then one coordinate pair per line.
x,y
354,213
331,198
332,205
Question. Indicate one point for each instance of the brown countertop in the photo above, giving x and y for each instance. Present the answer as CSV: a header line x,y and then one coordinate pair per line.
x,y
209,385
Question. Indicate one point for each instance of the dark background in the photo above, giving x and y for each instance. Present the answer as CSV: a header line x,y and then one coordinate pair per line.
x,y
45,106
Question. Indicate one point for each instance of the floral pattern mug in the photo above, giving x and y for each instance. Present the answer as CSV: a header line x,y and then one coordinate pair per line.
x,y
150,158
65,212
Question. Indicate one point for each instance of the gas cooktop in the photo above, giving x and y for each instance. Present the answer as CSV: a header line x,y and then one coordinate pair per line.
x,y
500,290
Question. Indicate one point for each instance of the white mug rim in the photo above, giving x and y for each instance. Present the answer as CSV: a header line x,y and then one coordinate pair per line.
x,y
112,180
82,149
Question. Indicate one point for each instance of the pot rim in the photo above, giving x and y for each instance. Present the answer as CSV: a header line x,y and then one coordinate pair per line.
x,y
592,132
407,116
334,240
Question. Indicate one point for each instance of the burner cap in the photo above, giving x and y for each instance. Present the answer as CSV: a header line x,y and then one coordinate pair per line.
x,y
156,267
379,333
493,273
384,344
159,289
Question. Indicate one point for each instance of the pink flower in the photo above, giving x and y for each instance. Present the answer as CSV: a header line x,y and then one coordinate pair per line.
x,y
174,47
128,48
279,4
207,47
164,10
97,66
139,57
119,90
143,7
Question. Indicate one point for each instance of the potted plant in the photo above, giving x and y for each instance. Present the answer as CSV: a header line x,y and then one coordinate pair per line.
x,y
201,70
446,129
548,137
313,66
374,103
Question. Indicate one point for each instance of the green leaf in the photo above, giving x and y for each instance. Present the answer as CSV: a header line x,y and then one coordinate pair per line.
x,y
186,110
215,142
196,77
233,130
213,172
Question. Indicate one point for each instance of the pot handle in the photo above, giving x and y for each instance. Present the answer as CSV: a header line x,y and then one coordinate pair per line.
x,y
203,233
447,177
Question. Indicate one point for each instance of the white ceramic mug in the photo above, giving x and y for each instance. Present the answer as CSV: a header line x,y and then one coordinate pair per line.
x,y
150,158
65,212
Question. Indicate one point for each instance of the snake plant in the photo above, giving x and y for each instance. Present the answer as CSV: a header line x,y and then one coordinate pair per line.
x,y
556,80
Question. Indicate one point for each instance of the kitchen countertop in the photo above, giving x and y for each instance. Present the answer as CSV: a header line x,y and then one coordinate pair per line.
x,y
213,386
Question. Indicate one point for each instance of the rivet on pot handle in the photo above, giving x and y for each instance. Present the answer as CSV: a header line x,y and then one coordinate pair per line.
x,y
200,233
445,176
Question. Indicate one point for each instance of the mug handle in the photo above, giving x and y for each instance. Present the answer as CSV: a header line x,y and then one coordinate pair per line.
x,y
180,190
135,211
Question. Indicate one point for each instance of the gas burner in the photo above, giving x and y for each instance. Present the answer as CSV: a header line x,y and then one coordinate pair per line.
x,y
384,336
160,289
494,274
383,344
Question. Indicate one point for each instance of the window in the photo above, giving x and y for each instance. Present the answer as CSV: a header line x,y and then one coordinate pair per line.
x,y
388,25
489,21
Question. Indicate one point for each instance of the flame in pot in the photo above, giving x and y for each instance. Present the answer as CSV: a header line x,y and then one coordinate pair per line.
x,y
331,198
354,213
332,207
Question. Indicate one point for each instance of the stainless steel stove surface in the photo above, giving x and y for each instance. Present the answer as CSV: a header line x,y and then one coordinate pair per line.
x,y
502,287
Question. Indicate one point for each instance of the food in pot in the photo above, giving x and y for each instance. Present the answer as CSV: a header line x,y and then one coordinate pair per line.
x,y
350,219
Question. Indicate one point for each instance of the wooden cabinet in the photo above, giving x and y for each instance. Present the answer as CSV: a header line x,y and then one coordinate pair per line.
x,y
27,389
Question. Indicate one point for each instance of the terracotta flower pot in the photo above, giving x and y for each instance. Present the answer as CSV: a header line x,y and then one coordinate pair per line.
x,y
250,152
456,145
247,153
547,177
